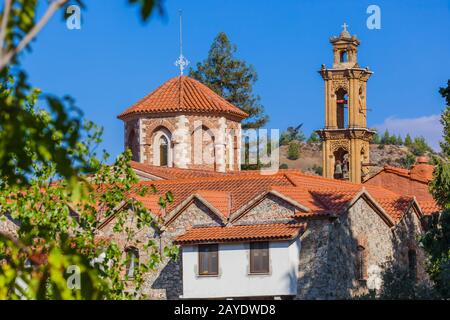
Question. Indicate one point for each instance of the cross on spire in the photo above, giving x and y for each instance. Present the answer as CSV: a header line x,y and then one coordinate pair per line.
x,y
344,26
181,62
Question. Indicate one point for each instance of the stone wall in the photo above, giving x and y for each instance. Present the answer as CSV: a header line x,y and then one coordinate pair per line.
x,y
328,260
271,208
181,128
406,237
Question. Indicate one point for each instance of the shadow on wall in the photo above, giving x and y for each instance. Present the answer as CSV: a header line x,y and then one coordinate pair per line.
x,y
170,279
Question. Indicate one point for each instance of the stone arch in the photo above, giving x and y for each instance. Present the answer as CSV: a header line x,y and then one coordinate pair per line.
x,y
203,151
162,147
341,107
132,144
155,124
231,142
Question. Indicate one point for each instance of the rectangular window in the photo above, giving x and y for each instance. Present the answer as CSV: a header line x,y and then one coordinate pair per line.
x,y
208,259
259,257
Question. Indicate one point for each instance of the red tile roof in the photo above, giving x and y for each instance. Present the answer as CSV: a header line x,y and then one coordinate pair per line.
x,y
169,173
242,188
255,232
429,207
183,94
321,196
218,199
419,172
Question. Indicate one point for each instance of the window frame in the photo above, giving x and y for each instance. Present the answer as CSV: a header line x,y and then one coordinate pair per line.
x,y
201,257
361,263
252,270
131,252
412,264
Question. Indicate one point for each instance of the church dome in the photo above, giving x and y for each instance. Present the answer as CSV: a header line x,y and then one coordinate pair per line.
x,y
183,94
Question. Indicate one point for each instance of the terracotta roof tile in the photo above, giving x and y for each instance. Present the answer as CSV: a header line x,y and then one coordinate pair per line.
x,y
229,193
429,206
183,94
218,199
395,206
242,188
420,172
241,233
169,173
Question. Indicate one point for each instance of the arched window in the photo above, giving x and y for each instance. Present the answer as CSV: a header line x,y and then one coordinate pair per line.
x,y
203,148
341,108
162,148
361,262
341,164
132,261
132,145
412,263
163,151
343,56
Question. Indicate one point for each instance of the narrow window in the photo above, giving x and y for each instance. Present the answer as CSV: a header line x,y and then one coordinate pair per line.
x,y
412,263
163,151
259,257
361,262
208,259
132,261
344,56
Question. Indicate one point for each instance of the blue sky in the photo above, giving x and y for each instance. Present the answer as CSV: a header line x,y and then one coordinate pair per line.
x,y
115,59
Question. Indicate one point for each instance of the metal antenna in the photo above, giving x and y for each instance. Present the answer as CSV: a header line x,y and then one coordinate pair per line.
x,y
181,62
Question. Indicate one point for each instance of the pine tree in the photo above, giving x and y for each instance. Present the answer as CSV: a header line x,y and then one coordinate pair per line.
x,y
408,140
313,138
232,79
386,137
294,150
376,139
399,140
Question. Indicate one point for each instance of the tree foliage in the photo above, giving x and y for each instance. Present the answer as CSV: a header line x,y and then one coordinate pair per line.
x,y
313,138
61,224
293,150
232,79
46,197
291,134
436,240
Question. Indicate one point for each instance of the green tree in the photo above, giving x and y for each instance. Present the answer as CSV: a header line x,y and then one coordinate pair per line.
x,y
407,161
294,150
376,139
399,140
436,240
60,223
419,146
44,156
313,138
408,140
445,119
231,78
284,166
386,138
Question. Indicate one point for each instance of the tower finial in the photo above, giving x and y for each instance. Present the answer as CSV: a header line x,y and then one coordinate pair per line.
x,y
181,62
345,33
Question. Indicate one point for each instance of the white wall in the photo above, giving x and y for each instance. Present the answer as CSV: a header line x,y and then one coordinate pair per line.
x,y
234,279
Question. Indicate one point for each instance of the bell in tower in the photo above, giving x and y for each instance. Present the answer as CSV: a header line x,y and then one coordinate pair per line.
x,y
345,136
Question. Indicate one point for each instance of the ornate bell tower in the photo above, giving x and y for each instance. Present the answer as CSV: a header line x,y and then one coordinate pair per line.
x,y
345,136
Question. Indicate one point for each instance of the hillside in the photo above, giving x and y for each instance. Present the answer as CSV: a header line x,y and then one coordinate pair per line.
x,y
311,157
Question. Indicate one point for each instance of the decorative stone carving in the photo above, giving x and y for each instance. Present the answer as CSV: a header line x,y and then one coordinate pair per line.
x,y
339,144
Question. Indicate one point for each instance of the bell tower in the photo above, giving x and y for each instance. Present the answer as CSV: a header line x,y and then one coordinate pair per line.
x,y
345,136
